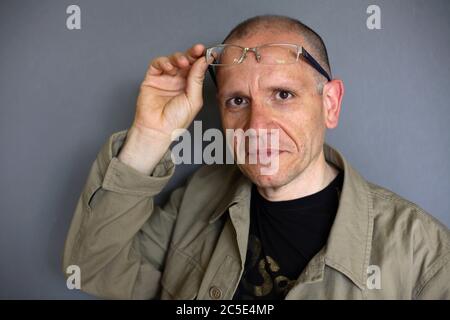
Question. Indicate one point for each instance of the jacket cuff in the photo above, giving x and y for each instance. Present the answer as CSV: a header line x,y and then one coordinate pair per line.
x,y
124,179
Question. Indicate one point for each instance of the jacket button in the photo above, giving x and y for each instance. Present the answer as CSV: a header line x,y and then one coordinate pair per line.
x,y
215,293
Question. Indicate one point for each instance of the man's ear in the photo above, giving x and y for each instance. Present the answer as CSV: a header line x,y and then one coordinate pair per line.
x,y
333,92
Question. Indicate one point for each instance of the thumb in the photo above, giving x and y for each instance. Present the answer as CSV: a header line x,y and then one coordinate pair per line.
x,y
195,79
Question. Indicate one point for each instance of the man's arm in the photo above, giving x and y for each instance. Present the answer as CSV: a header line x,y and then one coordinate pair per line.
x,y
436,284
118,237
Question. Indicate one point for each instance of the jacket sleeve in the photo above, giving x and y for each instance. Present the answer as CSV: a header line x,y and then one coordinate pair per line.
x,y
118,237
437,284
432,255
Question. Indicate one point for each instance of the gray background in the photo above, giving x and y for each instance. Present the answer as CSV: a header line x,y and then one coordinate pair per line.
x,y
62,93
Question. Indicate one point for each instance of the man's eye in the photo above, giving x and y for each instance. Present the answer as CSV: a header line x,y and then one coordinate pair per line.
x,y
283,95
236,102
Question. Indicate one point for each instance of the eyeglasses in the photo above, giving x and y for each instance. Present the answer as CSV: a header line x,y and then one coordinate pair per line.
x,y
268,54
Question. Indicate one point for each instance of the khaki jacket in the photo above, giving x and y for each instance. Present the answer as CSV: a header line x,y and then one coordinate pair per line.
x,y
380,246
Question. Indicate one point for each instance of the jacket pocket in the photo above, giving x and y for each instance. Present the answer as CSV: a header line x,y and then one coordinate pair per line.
x,y
182,277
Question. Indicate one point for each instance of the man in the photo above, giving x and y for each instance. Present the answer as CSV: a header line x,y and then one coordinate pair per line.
x,y
313,229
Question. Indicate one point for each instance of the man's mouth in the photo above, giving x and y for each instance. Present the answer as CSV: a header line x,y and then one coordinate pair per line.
x,y
265,152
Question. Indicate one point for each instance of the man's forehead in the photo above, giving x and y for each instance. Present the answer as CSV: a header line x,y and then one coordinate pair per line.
x,y
241,77
264,36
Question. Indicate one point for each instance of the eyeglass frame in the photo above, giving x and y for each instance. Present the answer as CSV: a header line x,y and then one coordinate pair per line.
x,y
301,51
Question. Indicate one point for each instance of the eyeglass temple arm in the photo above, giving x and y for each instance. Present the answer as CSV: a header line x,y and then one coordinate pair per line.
x,y
315,64
212,74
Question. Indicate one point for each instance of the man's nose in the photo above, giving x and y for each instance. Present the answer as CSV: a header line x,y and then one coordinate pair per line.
x,y
260,116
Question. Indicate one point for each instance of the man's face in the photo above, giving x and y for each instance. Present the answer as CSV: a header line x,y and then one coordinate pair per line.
x,y
283,97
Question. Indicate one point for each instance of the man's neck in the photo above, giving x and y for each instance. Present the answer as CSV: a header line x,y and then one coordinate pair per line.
x,y
314,178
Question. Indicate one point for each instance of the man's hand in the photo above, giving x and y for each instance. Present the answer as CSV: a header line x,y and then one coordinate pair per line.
x,y
170,97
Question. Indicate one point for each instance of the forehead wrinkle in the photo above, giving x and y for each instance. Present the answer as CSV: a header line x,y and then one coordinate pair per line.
x,y
261,80
254,84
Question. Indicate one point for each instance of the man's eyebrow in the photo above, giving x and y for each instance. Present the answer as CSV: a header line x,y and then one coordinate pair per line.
x,y
285,86
232,93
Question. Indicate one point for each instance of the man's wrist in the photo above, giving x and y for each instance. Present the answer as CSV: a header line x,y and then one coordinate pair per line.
x,y
143,149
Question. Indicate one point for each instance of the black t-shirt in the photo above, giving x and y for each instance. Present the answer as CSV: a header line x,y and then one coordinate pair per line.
x,y
283,237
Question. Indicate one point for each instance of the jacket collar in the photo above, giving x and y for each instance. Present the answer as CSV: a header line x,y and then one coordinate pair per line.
x,y
240,194
349,243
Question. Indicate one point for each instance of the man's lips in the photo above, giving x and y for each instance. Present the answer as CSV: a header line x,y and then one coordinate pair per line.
x,y
265,152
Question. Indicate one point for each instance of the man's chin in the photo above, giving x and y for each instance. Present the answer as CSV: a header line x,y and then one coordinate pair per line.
x,y
255,173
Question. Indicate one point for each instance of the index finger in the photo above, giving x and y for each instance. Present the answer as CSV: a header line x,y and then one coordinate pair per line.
x,y
194,52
